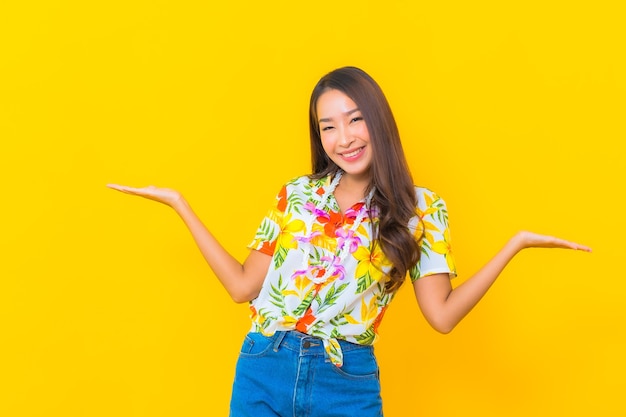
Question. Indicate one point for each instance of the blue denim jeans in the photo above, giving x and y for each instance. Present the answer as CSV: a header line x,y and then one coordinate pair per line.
x,y
290,375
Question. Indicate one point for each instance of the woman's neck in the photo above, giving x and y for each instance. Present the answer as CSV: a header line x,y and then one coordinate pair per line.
x,y
354,184
350,190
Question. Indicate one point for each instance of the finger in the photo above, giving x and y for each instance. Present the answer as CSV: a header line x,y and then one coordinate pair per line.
x,y
574,245
126,189
119,187
116,187
583,248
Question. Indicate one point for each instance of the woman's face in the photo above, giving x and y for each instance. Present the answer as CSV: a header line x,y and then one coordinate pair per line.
x,y
344,134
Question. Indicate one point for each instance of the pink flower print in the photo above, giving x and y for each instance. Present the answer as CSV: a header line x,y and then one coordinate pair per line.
x,y
311,208
347,237
313,272
319,272
308,238
299,273
354,211
357,210
336,268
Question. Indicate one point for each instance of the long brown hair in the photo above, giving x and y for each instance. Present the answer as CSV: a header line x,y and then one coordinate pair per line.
x,y
394,192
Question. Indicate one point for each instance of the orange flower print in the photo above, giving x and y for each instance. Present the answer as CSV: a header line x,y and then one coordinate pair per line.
x,y
354,211
268,247
320,272
331,223
303,324
379,318
282,200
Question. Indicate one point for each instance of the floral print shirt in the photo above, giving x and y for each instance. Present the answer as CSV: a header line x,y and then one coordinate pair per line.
x,y
326,278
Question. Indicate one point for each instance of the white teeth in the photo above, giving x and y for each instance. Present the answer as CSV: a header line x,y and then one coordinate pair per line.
x,y
351,154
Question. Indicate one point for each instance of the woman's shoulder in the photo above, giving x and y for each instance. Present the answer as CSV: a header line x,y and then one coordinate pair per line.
x,y
427,198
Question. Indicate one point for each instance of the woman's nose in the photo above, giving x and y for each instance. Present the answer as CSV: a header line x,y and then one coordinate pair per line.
x,y
346,138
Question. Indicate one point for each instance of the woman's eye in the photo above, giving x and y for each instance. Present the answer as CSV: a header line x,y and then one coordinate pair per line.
x,y
325,128
356,119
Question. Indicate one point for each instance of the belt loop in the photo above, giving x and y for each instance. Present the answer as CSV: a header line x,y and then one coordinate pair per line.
x,y
279,340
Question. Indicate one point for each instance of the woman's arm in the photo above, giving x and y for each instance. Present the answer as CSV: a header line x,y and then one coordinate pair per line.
x,y
242,281
444,307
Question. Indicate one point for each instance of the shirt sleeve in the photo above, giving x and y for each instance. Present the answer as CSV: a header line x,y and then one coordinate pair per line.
x,y
269,229
430,227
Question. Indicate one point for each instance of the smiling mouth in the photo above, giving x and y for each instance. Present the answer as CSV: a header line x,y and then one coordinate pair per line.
x,y
353,153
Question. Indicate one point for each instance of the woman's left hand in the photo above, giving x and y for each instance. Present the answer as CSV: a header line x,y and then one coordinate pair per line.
x,y
534,240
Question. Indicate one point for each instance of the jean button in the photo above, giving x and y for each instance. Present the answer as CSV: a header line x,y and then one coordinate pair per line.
x,y
306,344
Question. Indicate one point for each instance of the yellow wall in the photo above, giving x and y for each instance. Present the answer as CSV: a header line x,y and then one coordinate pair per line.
x,y
514,113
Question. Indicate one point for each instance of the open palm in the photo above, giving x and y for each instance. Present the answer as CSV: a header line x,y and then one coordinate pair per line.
x,y
162,195
535,240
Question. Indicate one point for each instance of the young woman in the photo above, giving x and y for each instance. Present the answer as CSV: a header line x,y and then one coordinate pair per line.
x,y
329,257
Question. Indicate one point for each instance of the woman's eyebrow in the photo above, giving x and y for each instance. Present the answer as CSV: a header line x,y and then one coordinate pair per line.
x,y
348,113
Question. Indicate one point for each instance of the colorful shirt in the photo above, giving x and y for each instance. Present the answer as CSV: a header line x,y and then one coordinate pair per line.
x,y
326,278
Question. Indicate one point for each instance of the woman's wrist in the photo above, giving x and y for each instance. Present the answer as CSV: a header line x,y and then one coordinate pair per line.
x,y
518,241
178,203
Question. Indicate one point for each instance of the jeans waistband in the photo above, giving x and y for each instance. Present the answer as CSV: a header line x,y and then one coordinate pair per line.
x,y
308,345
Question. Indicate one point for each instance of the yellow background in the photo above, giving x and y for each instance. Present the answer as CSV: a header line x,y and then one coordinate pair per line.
x,y
512,111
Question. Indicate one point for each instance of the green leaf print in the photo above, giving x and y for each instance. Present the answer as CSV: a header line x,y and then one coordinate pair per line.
x,y
317,332
366,338
276,293
442,212
279,256
267,323
295,202
364,282
340,320
267,319
304,304
386,298
336,334
426,248
331,297
266,231
312,188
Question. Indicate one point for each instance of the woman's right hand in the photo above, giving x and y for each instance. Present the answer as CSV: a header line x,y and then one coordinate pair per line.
x,y
166,196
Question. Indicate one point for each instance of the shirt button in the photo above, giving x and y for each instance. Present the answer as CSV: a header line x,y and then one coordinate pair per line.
x,y
306,344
